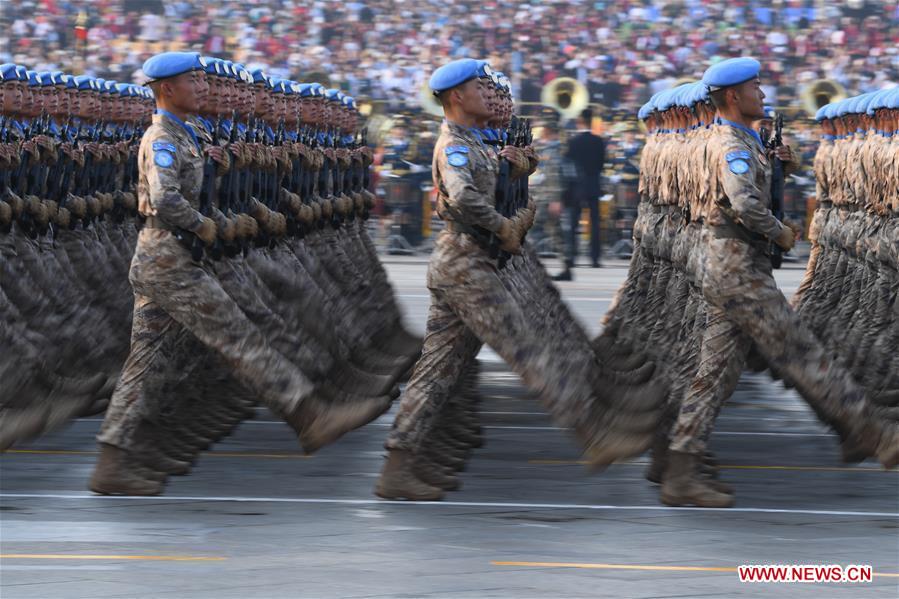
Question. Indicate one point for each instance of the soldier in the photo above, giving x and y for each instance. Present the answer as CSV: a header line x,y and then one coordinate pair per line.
x,y
745,306
176,297
470,302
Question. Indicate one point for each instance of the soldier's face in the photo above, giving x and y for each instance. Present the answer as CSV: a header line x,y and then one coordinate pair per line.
x,y
186,91
474,100
751,99
12,97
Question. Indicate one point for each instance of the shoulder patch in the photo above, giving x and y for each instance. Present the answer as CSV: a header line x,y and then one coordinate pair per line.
x,y
738,155
738,166
457,155
164,146
163,158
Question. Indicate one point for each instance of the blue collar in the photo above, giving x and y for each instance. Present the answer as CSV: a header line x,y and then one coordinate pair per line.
x,y
828,137
182,124
752,132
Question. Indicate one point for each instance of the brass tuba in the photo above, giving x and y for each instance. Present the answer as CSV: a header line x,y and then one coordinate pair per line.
x,y
821,92
568,96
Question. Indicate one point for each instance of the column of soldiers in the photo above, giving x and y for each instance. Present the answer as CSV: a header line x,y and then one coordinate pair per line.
x,y
700,300
848,296
263,192
67,230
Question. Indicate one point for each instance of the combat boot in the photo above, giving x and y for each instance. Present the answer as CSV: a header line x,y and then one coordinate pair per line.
x,y
434,475
398,481
115,474
318,423
446,458
683,486
157,460
875,436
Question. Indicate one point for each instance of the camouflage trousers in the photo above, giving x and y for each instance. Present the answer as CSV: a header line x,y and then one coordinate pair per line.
x,y
471,304
745,308
180,306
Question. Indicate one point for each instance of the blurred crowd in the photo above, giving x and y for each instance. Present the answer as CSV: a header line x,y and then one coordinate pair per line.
x,y
623,50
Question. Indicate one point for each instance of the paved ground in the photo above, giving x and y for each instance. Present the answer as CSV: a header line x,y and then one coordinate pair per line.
x,y
257,519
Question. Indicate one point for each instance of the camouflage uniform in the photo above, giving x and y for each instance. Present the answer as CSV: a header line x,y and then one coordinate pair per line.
x,y
745,305
176,298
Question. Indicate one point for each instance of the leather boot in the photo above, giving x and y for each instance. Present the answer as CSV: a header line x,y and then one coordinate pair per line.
x,y
434,475
318,423
115,474
683,485
398,481
873,435
445,458
157,460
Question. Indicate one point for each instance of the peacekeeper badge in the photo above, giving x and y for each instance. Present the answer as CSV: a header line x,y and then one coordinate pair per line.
x,y
737,161
163,153
457,155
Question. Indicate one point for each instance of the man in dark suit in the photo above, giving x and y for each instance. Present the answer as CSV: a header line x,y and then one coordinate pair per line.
x,y
587,152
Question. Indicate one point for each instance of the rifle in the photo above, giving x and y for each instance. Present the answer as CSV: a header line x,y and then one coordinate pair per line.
x,y
777,187
207,201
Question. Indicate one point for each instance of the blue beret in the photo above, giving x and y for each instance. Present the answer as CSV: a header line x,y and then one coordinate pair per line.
x,y
841,108
820,115
878,101
864,101
109,86
665,100
653,101
259,76
683,95
830,110
892,99
214,66
731,72
769,112
8,72
334,95
699,93
32,78
455,73
49,78
22,72
171,64
485,71
242,74
84,82
644,112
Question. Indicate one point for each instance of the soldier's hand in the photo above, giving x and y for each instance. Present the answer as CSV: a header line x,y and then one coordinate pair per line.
x,y
247,227
517,161
509,236
785,153
786,239
207,231
533,159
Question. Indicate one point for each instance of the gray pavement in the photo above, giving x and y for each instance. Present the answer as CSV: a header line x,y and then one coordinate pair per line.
x,y
257,519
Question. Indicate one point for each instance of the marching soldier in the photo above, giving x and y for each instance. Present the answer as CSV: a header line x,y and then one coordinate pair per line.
x,y
745,306
470,300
